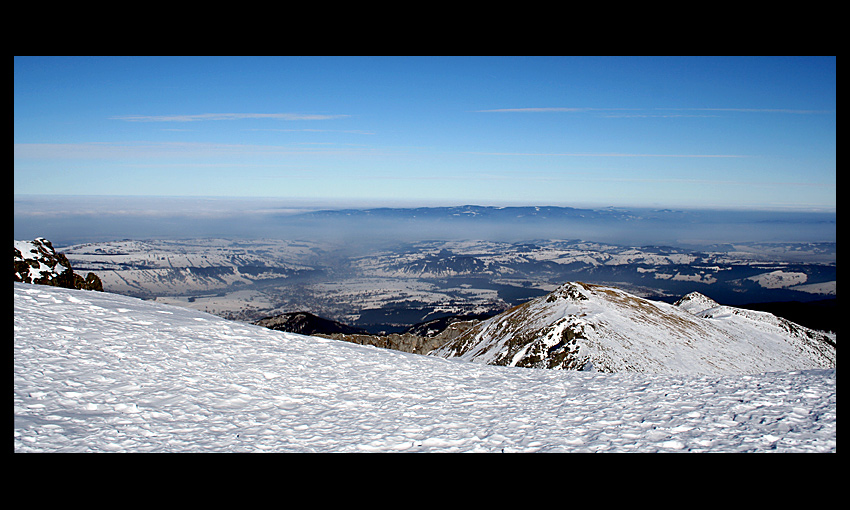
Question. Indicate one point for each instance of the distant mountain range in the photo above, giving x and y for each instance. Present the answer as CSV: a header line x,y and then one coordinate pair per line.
x,y
479,212
507,213
633,226
572,217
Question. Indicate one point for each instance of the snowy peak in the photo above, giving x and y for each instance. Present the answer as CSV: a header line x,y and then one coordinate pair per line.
x,y
696,302
706,308
580,325
571,292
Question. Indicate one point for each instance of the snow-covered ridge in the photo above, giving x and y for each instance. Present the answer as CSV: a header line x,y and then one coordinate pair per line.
x,y
98,372
581,326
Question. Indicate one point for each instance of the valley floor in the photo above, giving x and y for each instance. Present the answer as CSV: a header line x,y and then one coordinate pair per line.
x,y
99,372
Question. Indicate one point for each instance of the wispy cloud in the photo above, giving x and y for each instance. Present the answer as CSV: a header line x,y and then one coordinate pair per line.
x,y
551,109
752,110
748,183
581,109
224,116
349,131
610,155
166,149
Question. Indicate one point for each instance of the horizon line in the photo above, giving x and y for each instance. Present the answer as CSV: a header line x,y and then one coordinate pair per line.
x,y
373,202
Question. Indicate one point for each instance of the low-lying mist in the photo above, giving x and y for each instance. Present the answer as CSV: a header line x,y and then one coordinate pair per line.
x,y
74,220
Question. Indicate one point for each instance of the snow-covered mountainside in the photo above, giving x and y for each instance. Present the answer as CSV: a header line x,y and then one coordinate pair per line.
x,y
591,327
97,372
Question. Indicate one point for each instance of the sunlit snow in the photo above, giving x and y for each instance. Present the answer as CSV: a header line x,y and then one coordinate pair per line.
x,y
100,372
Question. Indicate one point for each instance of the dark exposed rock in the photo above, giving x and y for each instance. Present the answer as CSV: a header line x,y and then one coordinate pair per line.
x,y
407,342
90,282
38,262
418,339
437,326
306,323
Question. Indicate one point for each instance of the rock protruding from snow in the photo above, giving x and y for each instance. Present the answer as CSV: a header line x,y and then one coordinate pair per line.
x,y
306,323
581,325
38,262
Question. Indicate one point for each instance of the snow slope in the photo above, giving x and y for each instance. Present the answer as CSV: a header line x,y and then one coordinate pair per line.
x,y
581,326
100,372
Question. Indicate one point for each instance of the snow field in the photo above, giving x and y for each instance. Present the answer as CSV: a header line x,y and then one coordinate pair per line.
x,y
99,372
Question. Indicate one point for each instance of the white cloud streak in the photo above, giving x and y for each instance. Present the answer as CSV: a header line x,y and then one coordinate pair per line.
x,y
165,149
753,110
206,150
552,109
580,109
611,155
349,131
224,116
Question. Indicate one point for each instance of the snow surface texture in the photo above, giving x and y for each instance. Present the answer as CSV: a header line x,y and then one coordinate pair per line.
x,y
100,372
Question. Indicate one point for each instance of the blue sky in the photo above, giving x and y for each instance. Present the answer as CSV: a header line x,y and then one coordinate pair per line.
x,y
734,132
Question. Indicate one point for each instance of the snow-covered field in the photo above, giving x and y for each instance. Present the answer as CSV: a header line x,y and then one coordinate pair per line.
x,y
99,372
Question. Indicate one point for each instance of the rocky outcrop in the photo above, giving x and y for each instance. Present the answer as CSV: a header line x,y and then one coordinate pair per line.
x,y
38,262
418,339
306,323
408,342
